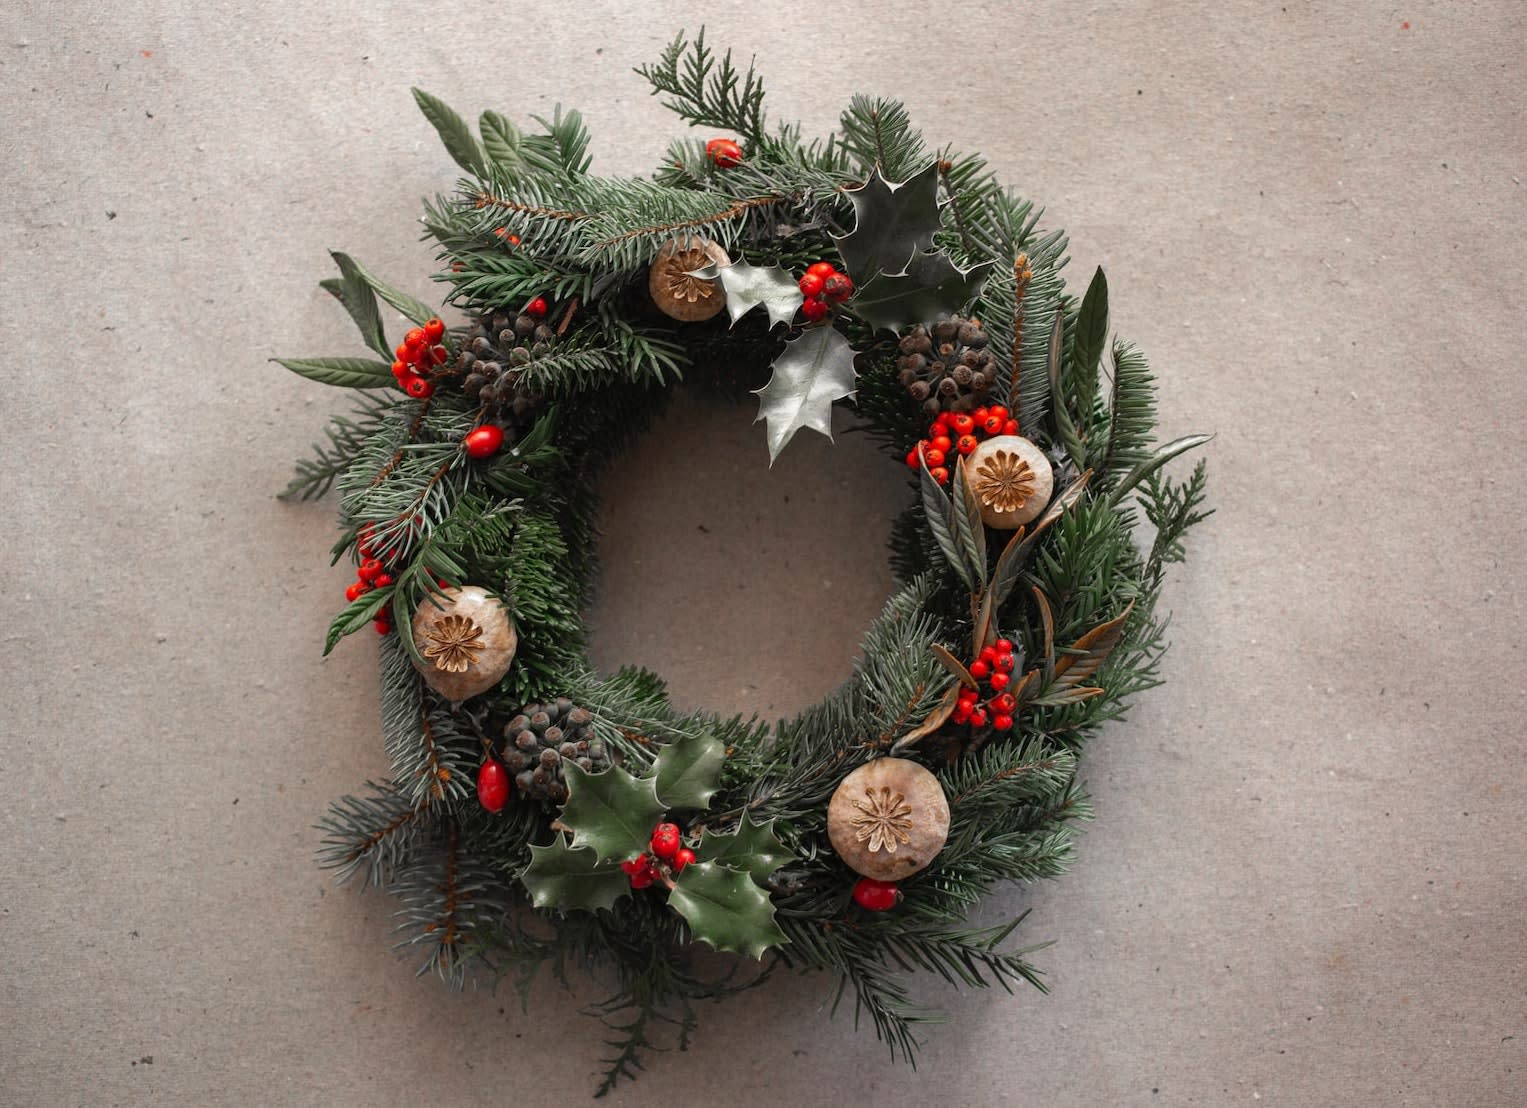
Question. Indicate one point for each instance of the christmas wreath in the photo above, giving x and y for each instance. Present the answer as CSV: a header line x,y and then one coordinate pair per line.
x,y
540,813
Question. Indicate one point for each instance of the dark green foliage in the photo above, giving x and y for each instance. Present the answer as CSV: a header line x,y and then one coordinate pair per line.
x,y
1077,593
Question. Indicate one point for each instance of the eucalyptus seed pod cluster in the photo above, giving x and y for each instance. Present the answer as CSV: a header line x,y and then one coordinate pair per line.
x,y
494,353
947,367
542,738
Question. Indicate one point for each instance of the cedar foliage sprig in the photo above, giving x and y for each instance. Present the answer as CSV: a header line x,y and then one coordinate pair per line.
x,y
528,220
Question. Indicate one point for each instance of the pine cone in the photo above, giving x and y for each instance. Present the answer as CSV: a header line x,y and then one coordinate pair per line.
x,y
541,738
948,368
490,360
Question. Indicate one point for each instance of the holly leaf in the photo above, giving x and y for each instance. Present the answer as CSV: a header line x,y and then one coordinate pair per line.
x,y
612,812
349,373
688,772
566,877
892,222
748,286
814,370
725,908
928,288
752,847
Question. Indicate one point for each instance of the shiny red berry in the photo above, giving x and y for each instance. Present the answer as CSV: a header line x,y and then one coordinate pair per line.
x,y
1003,722
418,388
999,680
356,591
935,458
912,458
988,654
992,425
967,444
963,424
876,896
369,570
1004,703
434,329
978,718
414,339
979,670
537,308
815,310
1004,662
724,152
403,353
383,580
492,785
940,474
382,624
439,355
666,841
1004,646
838,288
1010,427
640,870
980,413
1000,412
484,441
810,285
399,368
943,442
823,270
684,857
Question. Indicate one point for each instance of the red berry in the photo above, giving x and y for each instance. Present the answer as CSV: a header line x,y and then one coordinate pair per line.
x,y
979,670
978,718
484,441
1004,646
980,413
967,444
439,355
724,152
1000,412
838,288
940,474
434,329
666,841
969,695
823,270
935,458
417,387
962,424
1004,722
403,353
383,580
1010,427
810,285
1004,662
492,785
988,654
912,458
684,857
399,368
1004,703
640,870
943,442
961,715
369,570
414,339
537,308
356,591
382,625
634,865
992,425
999,680
876,896
815,310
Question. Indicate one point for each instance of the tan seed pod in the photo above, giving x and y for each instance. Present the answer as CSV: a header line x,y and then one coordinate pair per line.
x,y
467,643
1012,480
675,291
888,819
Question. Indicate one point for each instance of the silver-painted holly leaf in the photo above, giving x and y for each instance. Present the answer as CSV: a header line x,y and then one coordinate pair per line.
x,y
814,370
930,287
892,222
748,286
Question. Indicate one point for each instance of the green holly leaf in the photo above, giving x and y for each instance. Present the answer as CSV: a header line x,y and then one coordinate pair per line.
x,y
891,223
688,772
349,373
612,812
930,287
748,286
752,847
566,877
725,908
814,370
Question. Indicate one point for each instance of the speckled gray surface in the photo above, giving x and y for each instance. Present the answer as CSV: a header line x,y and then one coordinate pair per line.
x,y
1305,885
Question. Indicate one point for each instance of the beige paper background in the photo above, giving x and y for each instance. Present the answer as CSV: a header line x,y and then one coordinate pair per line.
x,y
1305,882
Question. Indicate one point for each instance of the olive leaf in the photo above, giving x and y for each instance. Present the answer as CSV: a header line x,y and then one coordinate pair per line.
x,y
1087,655
940,515
566,877
349,373
459,141
814,370
1158,458
726,908
1064,426
355,293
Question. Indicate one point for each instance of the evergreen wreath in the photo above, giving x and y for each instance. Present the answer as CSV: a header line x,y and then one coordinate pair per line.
x,y
605,828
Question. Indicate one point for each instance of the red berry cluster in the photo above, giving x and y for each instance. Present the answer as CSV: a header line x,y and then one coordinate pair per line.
x,y
724,153
993,669
492,785
371,574
417,356
823,286
959,432
876,896
666,861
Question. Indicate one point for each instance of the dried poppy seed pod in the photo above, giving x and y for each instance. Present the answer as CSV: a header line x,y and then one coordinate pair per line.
x,y
1012,480
888,819
466,643
675,291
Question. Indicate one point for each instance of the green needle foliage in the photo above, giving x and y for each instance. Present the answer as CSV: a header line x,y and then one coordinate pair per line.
x,y
565,352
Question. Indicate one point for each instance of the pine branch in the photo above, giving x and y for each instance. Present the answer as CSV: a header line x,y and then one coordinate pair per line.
x,y
347,437
707,93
